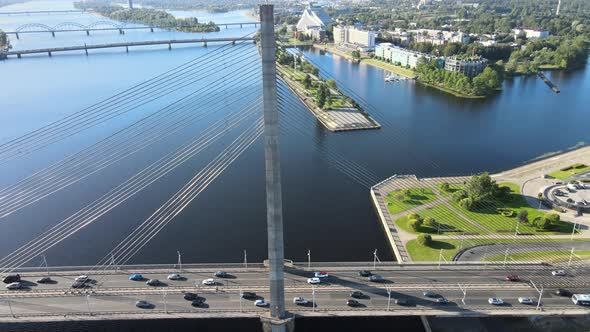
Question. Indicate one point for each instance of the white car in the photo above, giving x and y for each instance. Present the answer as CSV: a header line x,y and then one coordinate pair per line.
x,y
14,285
209,282
495,301
174,276
300,300
261,303
143,304
313,281
321,274
558,273
82,278
525,300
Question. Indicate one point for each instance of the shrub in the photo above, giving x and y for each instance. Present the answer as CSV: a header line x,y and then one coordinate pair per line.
x,y
416,224
467,203
541,223
413,216
445,186
552,217
566,168
459,195
523,216
430,222
424,240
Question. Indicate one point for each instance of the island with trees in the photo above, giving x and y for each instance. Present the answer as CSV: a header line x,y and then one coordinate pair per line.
x,y
153,17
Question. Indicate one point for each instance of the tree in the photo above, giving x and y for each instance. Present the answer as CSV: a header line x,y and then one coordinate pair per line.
x,y
523,216
480,187
415,224
467,203
542,223
459,195
331,83
307,81
445,186
356,54
430,222
553,218
424,240
413,216
321,95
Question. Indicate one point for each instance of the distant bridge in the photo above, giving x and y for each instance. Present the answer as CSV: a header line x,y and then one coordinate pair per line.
x,y
98,26
85,48
29,12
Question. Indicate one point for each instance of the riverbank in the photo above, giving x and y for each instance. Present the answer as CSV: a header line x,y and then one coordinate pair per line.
x,y
455,228
449,91
334,50
390,67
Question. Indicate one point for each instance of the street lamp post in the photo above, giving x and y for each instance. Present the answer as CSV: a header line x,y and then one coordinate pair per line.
x,y
165,302
540,294
10,307
464,293
88,304
388,297
506,256
179,261
313,297
240,294
574,230
571,256
309,259
45,263
375,259
245,259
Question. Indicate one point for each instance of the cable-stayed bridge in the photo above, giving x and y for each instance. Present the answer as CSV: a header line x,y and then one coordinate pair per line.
x,y
467,286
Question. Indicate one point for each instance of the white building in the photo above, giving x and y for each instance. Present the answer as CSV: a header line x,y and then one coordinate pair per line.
x,y
468,67
530,33
440,37
400,56
313,21
351,36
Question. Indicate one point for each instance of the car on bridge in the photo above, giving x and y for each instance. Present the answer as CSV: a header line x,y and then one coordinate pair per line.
x,y
365,273
353,303
357,294
525,300
44,280
402,301
190,296
209,282
82,278
221,274
261,303
321,274
136,277
512,277
313,281
430,294
248,295
300,300
143,304
560,273
581,299
442,300
153,282
14,285
198,302
79,284
495,301
9,279
174,276
375,278
563,292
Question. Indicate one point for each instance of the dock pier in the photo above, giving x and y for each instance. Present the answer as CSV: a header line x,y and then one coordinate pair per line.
x,y
548,82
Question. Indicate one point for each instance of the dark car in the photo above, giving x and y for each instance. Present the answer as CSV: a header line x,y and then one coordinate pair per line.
x,y
44,280
375,278
153,282
221,274
249,295
512,277
9,279
190,296
198,302
79,284
352,303
563,292
365,273
357,294
402,301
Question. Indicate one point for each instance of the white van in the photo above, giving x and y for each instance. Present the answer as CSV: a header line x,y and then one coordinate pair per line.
x,y
581,299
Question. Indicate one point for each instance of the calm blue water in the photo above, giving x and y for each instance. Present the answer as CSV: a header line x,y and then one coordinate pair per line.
x,y
424,132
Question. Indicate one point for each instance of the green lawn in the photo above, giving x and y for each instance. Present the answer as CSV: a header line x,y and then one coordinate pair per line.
x,y
575,169
391,67
449,221
452,189
416,197
542,256
488,216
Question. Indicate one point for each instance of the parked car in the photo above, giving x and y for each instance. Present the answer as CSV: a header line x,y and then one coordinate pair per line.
x,y
209,282
495,301
14,285
261,303
9,279
300,300
525,300
44,280
357,294
190,296
136,277
375,278
429,294
249,295
563,292
442,300
353,303
512,277
321,274
558,273
153,282
313,281
364,273
221,274
82,278
143,304
174,276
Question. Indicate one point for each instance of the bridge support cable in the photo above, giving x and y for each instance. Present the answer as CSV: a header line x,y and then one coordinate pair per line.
x,y
154,88
126,190
149,228
122,144
292,123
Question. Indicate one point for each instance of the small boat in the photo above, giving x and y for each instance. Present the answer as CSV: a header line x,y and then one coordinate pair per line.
x,y
390,79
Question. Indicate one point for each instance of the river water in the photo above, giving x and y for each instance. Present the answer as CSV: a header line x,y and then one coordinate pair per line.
x,y
425,132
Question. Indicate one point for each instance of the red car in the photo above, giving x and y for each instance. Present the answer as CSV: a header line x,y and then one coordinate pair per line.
x,y
512,277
